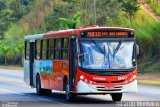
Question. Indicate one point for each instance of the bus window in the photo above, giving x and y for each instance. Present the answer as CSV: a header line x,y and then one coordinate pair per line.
x,y
38,49
50,48
44,49
58,48
65,45
27,50
65,49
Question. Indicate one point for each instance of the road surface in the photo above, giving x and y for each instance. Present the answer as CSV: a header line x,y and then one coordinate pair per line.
x,y
13,91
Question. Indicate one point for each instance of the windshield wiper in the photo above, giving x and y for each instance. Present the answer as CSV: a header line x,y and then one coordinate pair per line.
x,y
102,50
117,48
98,46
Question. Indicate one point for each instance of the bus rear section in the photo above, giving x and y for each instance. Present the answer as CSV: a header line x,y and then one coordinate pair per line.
x,y
92,60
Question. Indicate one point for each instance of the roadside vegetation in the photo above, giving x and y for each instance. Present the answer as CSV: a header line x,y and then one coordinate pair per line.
x,y
155,5
24,17
149,79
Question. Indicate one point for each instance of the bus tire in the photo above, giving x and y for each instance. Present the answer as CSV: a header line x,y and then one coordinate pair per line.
x,y
40,91
116,96
69,95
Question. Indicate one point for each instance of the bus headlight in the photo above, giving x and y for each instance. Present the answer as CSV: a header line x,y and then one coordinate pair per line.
x,y
81,77
133,78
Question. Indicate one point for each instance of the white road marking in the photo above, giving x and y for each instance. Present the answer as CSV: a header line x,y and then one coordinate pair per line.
x,y
43,99
10,91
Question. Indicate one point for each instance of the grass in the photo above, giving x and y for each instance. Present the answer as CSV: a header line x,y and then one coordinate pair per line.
x,y
149,79
149,82
154,6
12,67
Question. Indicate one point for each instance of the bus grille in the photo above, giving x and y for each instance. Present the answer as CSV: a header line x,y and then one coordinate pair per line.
x,y
109,82
103,88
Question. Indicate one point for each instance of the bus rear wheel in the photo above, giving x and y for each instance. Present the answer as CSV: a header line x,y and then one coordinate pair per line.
x,y
69,95
40,91
116,96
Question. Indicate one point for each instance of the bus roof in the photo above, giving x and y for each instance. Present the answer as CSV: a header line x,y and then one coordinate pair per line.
x,y
36,36
59,33
106,28
72,31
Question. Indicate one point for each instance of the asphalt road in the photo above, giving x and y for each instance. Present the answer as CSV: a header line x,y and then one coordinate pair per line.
x,y
14,92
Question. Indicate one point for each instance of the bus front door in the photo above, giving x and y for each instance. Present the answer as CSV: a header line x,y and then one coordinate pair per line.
x,y
72,63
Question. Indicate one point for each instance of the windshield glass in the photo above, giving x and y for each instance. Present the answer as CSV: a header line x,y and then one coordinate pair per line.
x,y
106,55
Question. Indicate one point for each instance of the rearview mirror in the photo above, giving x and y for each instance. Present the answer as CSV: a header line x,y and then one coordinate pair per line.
x,y
137,49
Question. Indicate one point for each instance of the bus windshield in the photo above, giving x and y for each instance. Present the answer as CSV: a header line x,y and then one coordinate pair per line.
x,y
106,54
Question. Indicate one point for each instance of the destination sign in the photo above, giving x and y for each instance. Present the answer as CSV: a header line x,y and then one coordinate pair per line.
x,y
105,34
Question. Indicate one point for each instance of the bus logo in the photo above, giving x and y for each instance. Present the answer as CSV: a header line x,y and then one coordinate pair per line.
x,y
98,78
122,78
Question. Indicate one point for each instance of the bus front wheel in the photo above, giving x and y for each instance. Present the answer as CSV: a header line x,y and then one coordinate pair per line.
x,y
116,96
69,95
40,91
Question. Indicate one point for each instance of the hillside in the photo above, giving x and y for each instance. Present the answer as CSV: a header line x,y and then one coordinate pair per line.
x,y
154,5
41,16
28,23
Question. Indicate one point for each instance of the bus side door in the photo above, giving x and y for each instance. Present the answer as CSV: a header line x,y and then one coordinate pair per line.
x,y
28,62
72,63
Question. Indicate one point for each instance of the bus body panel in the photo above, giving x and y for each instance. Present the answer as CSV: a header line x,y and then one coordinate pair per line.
x,y
106,84
51,73
56,79
35,71
26,72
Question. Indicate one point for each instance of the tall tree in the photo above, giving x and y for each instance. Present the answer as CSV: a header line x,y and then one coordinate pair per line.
x,y
130,7
4,48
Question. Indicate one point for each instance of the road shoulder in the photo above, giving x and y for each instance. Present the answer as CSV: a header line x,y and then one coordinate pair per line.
x,y
149,79
11,67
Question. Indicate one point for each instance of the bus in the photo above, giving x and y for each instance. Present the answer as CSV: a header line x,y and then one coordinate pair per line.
x,y
91,60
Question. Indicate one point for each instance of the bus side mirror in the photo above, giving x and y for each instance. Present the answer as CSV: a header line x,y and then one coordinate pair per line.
x,y
137,49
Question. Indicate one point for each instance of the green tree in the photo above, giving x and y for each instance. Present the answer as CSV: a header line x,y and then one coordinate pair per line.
x,y
2,5
130,7
73,22
4,49
19,49
5,20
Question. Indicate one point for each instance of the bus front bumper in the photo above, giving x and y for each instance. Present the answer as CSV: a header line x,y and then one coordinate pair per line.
x,y
84,88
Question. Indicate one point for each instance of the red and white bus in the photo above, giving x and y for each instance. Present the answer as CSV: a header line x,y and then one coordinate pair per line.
x,y
91,60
